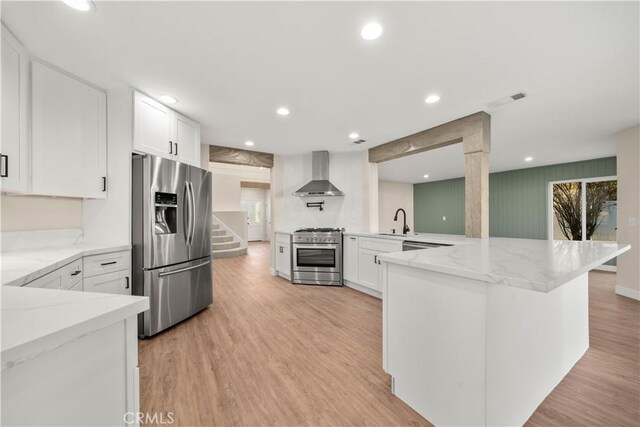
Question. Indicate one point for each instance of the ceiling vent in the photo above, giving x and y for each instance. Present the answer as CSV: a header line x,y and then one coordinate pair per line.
x,y
507,100
360,141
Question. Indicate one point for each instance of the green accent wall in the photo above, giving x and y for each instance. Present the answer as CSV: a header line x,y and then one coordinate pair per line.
x,y
517,199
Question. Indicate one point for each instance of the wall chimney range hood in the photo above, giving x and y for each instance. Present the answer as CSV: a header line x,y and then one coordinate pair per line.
x,y
319,186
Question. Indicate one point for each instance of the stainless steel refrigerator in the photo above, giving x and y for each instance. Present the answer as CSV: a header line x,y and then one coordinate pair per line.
x,y
171,236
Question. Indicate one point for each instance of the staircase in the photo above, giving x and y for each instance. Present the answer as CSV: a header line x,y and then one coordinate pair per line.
x,y
224,244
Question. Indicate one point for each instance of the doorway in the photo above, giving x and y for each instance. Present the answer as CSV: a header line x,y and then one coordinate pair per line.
x,y
253,201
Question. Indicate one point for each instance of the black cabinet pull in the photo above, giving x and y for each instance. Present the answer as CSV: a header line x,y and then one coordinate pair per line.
x,y
75,273
109,263
104,183
4,165
170,147
375,259
176,148
127,282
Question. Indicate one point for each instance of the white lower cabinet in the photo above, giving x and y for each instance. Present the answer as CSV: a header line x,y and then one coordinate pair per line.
x,y
110,283
283,255
350,261
107,273
361,263
369,269
65,277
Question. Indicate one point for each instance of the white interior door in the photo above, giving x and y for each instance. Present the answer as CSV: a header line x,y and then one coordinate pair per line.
x,y
255,218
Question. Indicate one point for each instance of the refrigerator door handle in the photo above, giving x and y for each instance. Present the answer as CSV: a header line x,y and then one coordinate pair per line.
x,y
192,210
182,270
186,211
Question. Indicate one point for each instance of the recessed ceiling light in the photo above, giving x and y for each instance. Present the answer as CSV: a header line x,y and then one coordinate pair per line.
x,y
168,99
528,159
431,99
426,176
354,135
283,111
81,5
371,31
248,143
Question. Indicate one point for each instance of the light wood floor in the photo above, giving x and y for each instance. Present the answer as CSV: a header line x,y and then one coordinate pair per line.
x,y
269,353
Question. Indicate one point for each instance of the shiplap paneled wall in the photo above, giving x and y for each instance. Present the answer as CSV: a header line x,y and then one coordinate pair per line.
x,y
517,199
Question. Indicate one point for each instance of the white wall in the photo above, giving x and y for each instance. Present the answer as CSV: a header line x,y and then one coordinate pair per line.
x,y
628,170
226,192
247,173
350,172
204,156
391,196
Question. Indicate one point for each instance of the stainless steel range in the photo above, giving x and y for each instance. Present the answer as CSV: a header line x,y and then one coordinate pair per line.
x,y
316,256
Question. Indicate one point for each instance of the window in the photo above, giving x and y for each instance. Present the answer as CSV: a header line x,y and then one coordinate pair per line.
x,y
584,209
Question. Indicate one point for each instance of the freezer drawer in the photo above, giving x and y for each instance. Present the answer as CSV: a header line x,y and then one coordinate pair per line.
x,y
175,293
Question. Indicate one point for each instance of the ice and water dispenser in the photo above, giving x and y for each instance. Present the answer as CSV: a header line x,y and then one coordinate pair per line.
x,y
166,205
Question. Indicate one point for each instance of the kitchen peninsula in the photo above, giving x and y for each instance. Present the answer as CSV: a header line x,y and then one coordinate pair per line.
x,y
479,333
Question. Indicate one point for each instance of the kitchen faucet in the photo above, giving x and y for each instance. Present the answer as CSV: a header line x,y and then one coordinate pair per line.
x,y
405,227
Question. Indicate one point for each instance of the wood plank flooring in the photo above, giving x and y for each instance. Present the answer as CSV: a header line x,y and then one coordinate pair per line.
x,y
272,354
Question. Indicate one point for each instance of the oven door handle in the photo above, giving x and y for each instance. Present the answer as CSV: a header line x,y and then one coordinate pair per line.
x,y
318,246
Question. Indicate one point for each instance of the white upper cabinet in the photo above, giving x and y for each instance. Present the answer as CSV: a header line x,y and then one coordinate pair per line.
x,y
160,131
69,135
14,143
187,139
152,127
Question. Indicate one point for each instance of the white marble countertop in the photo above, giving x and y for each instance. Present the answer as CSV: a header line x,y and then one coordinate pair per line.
x,y
282,232
22,266
35,320
539,265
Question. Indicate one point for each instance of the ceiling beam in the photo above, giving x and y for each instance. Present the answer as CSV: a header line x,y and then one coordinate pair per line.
x,y
237,156
474,132
254,184
469,129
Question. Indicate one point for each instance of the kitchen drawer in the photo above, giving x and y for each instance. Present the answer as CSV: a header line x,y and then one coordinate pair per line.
x,y
65,277
77,287
106,263
381,245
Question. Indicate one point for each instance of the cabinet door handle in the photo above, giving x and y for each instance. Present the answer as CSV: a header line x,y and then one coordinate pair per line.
x,y
170,147
109,263
375,259
352,238
104,183
75,273
4,165
126,286
176,144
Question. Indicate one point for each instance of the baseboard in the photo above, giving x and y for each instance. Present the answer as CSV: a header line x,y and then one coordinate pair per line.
x,y
629,293
363,289
273,272
283,275
604,267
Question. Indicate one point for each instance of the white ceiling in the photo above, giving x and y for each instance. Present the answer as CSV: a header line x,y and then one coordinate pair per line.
x,y
232,64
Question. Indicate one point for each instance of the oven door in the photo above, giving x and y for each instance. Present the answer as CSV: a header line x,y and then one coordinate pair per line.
x,y
320,257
